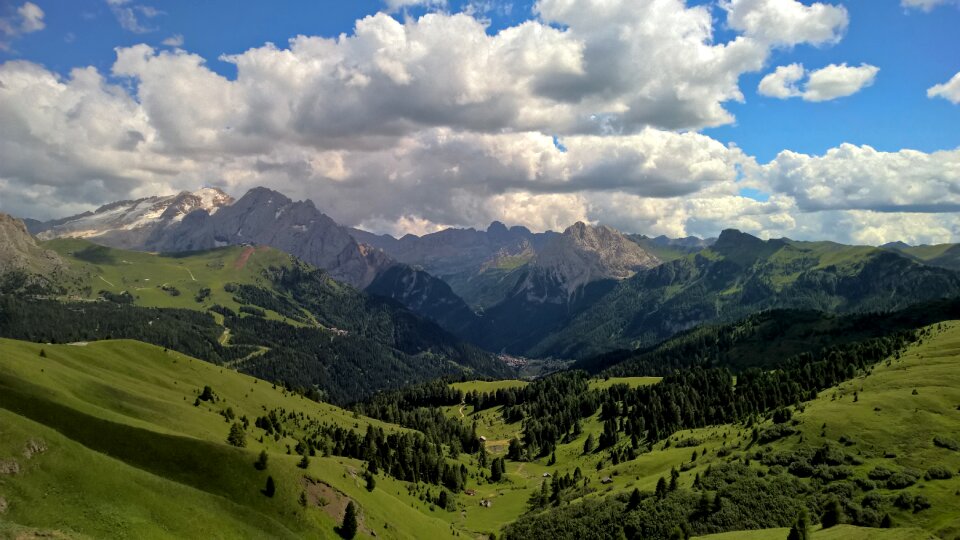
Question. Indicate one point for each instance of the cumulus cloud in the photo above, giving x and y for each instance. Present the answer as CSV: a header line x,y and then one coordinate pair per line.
x,y
587,112
831,82
860,177
949,90
23,20
787,22
782,83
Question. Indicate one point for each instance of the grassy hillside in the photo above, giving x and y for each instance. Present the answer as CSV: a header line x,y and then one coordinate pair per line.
x,y
276,318
107,442
886,418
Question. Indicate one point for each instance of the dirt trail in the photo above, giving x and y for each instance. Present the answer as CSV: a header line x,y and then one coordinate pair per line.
x,y
243,258
105,281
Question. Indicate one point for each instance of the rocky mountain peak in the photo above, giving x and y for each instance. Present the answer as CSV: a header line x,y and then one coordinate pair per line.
x,y
586,253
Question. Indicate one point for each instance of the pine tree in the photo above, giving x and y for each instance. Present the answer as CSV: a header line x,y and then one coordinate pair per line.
x,y
443,500
589,444
832,515
349,527
886,522
237,436
661,491
635,499
801,528
270,488
304,462
371,481
261,463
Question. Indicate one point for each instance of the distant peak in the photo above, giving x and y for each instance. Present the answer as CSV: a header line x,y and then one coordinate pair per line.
x,y
497,227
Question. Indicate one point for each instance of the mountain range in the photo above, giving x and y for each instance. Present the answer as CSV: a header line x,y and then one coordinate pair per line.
x,y
571,294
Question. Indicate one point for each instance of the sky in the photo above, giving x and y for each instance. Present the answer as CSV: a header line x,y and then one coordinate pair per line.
x,y
812,120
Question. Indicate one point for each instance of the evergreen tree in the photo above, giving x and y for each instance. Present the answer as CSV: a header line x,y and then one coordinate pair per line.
x,y
661,490
261,463
304,462
886,522
635,499
443,500
589,444
270,488
237,436
349,527
371,481
832,514
801,528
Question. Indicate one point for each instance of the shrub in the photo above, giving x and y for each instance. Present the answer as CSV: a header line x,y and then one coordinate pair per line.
x,y
946,442
900,481
938,472
879,473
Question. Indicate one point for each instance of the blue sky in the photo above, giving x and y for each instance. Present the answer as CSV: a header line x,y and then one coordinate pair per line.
x,y
648,143
913,49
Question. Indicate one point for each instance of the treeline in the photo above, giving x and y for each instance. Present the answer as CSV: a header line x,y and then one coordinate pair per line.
x,y
417,407
406,455
48,321
551,409
764,340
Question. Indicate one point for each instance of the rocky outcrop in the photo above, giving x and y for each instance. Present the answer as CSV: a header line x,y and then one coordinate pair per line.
x,y
584,254
24,264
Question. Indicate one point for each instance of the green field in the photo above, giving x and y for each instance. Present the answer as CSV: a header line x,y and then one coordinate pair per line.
x,y
127,453
168,281
487,386
119,426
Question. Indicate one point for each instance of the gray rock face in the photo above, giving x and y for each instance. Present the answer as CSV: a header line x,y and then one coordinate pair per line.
x,y
20,253
264,216
584,254
454,251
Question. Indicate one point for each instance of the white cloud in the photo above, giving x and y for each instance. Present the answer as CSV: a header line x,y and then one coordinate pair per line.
x,y
782,83
836,81
130,15
414,125
31,18
927,5
25,19
831,82
787,22
397,5
949,90
862,178
175,40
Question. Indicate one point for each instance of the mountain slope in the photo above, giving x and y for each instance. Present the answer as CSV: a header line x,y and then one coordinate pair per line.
x,y
262,310
25,266
740,275
571,272
117,421
127,224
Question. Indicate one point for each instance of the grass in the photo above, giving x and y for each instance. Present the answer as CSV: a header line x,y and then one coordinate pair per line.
x,y
152,277
122,432
127,452
905,424
487,386
633,382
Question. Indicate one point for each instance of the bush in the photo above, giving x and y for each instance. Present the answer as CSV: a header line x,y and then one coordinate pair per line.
x,y
946,442
774,432
879,473
938,472
900,481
